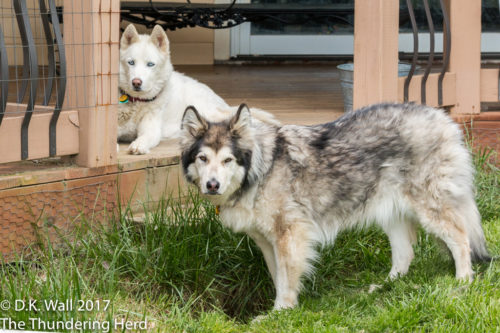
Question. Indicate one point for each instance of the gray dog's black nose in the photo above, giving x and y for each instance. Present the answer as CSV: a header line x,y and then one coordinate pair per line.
x,y
213,186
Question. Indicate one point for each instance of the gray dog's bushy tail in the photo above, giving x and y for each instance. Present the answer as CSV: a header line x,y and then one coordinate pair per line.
x,y
477,241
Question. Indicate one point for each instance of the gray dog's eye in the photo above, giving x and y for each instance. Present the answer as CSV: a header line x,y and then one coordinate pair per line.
x,y
203,158
131,62
227,160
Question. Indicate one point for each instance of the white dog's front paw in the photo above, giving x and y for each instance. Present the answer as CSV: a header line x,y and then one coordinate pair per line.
x,y
138,147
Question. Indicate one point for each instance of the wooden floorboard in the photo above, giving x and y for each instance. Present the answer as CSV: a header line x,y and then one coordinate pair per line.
x,y
298,94
294,94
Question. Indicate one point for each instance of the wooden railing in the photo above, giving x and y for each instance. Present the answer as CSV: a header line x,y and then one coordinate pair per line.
x,y
91,33
465,85
77,113
86,123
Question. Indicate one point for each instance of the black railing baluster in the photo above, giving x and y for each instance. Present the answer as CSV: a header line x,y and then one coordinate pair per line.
x,y
4,76
30,70
61,82
415,49
50,52
430,60
21,93
446,50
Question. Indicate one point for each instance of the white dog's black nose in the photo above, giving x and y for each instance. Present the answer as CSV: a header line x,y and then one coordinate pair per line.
x,y
137,83
213,186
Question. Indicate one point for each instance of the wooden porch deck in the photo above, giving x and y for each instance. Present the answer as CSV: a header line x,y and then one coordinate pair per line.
x,y
51,195
295,94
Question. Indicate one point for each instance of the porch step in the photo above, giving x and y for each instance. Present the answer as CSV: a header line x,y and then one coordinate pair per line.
x,y
51,198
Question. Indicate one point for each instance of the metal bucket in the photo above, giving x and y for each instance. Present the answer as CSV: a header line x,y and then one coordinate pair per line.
x,y
347,78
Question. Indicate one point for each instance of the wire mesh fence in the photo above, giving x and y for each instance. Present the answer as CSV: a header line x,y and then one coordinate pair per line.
x,y
56,69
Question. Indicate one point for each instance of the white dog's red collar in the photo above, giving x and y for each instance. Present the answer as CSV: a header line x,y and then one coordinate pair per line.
x,y
125,98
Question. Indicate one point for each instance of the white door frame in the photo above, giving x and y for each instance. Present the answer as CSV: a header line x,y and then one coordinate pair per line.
x,y
243,43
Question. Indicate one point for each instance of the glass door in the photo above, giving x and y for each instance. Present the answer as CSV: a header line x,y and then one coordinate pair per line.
x,y
273,37
490,20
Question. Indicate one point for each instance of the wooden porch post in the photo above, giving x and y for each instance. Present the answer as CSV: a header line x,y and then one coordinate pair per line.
x,y
465,55
91,36
376,31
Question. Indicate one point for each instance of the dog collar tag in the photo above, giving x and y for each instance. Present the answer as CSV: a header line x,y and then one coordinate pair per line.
x,y
217,210
123,99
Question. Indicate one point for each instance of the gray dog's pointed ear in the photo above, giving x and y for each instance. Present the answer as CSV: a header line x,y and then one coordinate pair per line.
x,y
130,36
160,39
193,123
241,120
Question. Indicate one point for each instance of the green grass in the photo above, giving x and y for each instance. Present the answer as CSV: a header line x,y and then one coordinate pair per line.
x,y
184,272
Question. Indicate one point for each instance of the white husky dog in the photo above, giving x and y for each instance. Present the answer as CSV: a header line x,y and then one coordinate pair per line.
x,y
154,96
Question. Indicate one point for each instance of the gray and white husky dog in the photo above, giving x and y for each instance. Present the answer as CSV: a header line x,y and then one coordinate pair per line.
x,y
291,187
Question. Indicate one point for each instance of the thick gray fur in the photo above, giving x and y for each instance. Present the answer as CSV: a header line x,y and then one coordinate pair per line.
x,y
291,187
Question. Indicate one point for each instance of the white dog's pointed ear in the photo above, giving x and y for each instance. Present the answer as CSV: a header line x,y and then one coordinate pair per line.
x,y
193,122
241,119
160,39
130,36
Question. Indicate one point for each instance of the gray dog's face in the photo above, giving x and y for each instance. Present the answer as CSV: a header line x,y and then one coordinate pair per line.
x,y
212,156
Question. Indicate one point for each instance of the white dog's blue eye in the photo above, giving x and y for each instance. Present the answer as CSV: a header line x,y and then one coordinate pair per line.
x,y
131,62
151,64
